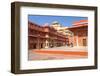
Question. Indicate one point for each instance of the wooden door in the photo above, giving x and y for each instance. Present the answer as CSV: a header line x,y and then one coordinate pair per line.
x,y
84,42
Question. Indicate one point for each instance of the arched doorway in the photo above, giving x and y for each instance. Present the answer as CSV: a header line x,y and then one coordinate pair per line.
x,y
84,42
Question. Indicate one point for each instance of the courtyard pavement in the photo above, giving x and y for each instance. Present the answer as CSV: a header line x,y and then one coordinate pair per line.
x,y
63,52
65,48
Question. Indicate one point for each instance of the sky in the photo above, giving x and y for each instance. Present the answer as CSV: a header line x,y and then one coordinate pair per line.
x,y
63,20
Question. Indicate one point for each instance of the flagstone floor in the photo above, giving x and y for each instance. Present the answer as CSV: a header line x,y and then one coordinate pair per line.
x,y
63,52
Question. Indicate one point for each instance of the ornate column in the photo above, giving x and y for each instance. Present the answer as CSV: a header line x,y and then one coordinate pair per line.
x,y
46,42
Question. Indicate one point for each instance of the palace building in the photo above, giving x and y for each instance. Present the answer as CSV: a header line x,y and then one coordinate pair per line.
x,y
79,35
56,35
44,36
